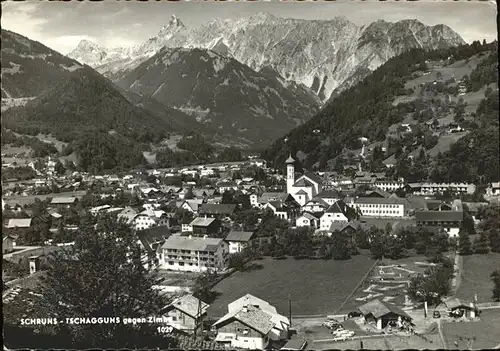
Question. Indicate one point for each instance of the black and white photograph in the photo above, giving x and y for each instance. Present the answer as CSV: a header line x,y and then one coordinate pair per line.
x,y
250,175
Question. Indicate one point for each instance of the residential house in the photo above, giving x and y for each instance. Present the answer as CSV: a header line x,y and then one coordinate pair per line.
x,y
150,218
217,210
186,224
192,205
251,323
193,254
315,205
238,241
186,313
338,212
63,202
448,220
461,308
383,314
226,185
152,237
307,220
205,226
329,196
392,206
8,243
284,210
128,215
493,189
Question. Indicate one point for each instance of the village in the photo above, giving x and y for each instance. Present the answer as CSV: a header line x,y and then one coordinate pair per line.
x,y
221,218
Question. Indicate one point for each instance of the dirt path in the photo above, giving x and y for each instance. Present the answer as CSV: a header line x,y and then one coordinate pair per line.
x,y
441,336
457,279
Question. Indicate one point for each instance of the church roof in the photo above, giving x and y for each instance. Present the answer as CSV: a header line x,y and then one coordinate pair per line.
x,y
302,182
314,177
290,159
301,192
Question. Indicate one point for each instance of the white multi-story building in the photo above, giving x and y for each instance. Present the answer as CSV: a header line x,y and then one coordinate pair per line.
x,y
390,186
392,207
433,188
193,254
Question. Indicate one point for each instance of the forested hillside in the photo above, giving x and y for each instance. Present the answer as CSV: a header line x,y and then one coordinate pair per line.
x,y
369,108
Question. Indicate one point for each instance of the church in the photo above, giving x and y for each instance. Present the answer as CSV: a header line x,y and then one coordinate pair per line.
x,y
306,187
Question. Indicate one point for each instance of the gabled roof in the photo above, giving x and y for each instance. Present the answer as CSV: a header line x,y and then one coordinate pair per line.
x,y
191,243
301,192
217,208
314,177
308,216
319,201
202,222
63,200
153,235
252,317
379,309
329,194
190,305
19,223
454,302
302,182
273,197
239,236
439,216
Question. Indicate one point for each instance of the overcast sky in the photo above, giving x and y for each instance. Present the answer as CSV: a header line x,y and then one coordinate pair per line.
x,y
61,25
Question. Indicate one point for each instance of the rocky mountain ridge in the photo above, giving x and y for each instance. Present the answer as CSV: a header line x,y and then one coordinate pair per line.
x,y
323,55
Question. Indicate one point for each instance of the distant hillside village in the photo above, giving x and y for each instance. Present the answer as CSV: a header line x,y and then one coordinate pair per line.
x,y
217,217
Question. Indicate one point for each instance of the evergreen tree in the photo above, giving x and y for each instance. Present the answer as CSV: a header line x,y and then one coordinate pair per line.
x,y
495,277
464,245
104,275
481,245
340,247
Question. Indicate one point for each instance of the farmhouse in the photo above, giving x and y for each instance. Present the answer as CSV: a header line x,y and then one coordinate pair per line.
x,y
449,220
383,314
186,313
238,241
193,254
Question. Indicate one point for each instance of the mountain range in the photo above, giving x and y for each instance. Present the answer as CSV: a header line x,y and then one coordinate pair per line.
x,y
323,55
222,93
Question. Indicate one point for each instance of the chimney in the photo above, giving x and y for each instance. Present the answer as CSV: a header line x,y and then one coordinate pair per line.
x,y
245,309
205,236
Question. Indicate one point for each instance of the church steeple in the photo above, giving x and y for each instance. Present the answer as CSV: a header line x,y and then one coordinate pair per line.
x,y
290,174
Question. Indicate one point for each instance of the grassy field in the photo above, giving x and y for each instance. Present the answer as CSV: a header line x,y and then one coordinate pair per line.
x,y
476,276
316,287
392,342
445,142
486,331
